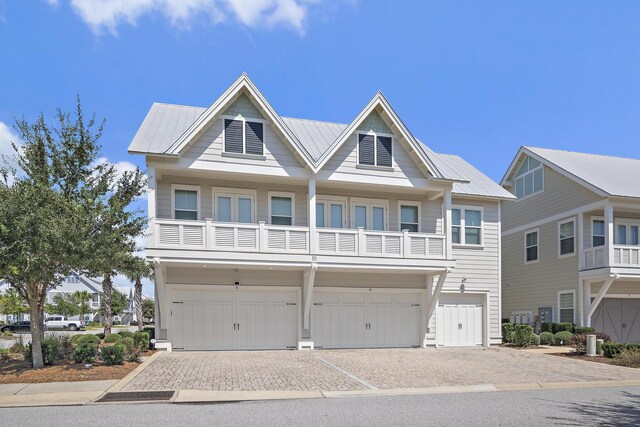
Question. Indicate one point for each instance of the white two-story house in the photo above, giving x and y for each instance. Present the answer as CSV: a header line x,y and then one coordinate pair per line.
x,y
570,241
270,232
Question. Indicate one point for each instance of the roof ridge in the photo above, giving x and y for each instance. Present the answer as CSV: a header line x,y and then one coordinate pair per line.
x,y
177,105
315,120
582,153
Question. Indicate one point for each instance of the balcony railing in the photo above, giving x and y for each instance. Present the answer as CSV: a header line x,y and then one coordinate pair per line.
x,y
265,238
623,256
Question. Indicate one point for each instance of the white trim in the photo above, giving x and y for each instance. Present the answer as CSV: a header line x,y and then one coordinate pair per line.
x,y
560,223
292,196
532,172
244,121
415,203
463,225
537,231
567,291
333,200
175,187
369,204
234,194
375,165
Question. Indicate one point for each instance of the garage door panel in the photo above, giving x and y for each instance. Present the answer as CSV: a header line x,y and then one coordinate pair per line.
x,y
282,325
459,320
177,313
352,322
219,326
193,326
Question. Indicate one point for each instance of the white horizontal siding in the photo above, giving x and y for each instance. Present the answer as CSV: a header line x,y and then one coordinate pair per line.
x,y
217,276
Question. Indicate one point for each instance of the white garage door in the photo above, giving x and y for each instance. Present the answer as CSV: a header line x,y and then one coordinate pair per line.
x,y
619,318
365,319
234,319
459,320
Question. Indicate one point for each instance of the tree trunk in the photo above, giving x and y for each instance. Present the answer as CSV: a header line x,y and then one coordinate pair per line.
x,y
107,287
36,304
137,298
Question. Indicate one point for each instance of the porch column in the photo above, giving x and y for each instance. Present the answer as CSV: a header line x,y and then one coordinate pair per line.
x,y
608,233
585,302
309,278
424,301
311,198
447,221
161,297
151,204
580,243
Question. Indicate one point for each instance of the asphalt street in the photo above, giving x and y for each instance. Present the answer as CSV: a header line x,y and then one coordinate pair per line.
x,y
570,407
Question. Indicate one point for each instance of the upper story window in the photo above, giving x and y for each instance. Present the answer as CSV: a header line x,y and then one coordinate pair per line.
x,y
234,205
410,216
566,238
529,179
281,208
627,233
185,201
330,212
72,279
243,136
466,226
531,246
597,232
374,149
369,214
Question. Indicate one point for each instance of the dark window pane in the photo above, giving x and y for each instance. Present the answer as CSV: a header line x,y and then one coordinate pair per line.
x,y
472,236
413,228
566,315
532,253
186,215
455,234
365,143
566,246
281,220
384,151
255,137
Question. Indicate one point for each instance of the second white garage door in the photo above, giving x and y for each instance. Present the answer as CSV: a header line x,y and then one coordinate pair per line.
x,y
459,320
365,319
233,319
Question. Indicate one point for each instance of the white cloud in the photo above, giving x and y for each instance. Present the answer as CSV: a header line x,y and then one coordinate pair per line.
x,y
107,15
7,136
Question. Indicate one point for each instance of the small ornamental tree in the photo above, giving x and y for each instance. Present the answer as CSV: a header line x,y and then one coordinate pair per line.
x,y
137,269
12,303
63,304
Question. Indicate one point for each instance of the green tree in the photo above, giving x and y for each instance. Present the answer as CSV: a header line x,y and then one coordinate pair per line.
x,y
12,303
82,300
63,304
118,304
148,309
137,269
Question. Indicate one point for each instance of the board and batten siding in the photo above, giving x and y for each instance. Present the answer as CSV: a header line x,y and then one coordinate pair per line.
x,y
560,194
526,287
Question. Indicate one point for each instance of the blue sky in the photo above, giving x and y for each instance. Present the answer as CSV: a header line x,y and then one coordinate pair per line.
x,y
474,78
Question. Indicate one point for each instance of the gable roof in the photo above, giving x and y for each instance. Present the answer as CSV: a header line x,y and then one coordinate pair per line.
x,y
605,175
478,184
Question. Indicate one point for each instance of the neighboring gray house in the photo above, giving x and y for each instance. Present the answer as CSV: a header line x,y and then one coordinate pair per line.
x,y
570,250
270,232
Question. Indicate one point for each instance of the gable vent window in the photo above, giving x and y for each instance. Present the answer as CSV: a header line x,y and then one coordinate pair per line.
x,y
374,150
243,137
529,179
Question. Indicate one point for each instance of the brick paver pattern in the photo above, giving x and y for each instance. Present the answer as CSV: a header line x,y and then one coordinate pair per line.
x,y
383,368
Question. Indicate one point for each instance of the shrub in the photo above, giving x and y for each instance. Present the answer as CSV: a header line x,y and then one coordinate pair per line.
x,y
523,335
546,327
141,340
546,338
579,343
629,357
94,324
602,336
4,354
100,335
49,351
507,332
151,331
86,339
561,327
113,354
124,334
584,330
613,348
17,348
535,340
562,338
86,349
65,348
132,352
8,333
112,339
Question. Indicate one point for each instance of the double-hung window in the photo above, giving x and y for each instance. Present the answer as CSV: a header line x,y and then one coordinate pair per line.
x,y
234,205
369,214
185,201
243,136
410,216
466,226
529,178
330,212
531,246
566,306
566,238
374,149
627,233
597,232
281,208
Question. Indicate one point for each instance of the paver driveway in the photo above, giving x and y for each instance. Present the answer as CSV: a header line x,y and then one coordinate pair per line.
x,y
336,370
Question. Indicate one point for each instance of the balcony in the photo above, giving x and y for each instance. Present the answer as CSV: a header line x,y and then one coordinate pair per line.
x,y
623,256
264,238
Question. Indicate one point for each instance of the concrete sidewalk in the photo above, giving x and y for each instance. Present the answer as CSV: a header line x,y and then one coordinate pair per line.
x,y
52,394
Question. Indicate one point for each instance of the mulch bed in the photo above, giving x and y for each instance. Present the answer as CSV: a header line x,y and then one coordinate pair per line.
x,y
574,356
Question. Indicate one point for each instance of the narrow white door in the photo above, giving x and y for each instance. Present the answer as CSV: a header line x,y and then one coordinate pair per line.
x,y
459,320
193,325
219,324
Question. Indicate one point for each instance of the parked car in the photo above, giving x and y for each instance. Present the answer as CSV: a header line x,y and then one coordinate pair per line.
x,y
61,322
22,326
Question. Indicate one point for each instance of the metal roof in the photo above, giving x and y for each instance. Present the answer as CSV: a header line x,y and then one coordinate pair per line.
x,y
165,123
615,176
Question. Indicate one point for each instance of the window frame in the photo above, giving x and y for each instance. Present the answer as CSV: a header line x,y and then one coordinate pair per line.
x,y
463,226
604,235
415,203
515,178
244,119
234,194
530,231
628,222
370,204
573,293
292,196
560,224
185,187
375,149
332,200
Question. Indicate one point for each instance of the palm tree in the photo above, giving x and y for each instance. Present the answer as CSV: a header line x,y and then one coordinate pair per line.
x,y
82,298
137,269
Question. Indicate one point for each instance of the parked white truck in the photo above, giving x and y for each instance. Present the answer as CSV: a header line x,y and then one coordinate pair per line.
x,y
61,322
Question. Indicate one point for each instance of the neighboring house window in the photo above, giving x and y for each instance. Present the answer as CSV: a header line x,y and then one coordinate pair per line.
x,y
566,303
95,300
466,226
410,216
566,237
72,279
529,179
281,208
626,233
186,202
369,214
330,213
531,246
234,205
374,149
243,136
597,232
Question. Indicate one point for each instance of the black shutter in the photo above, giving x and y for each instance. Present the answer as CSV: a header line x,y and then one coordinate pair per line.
x,y
365,143
254,132
232,136
384,151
